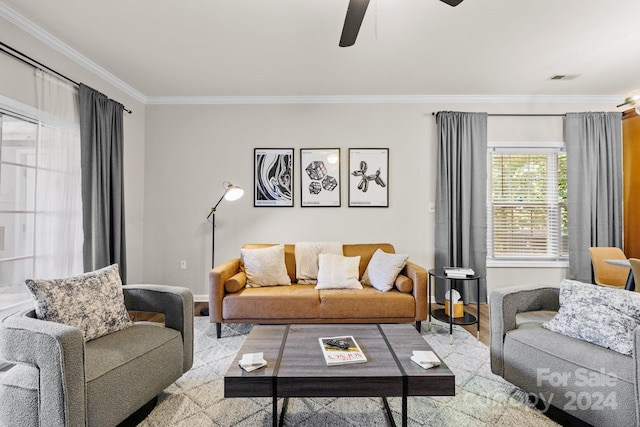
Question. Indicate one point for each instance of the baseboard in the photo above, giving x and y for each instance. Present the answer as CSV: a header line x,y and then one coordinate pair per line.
x,y
201,298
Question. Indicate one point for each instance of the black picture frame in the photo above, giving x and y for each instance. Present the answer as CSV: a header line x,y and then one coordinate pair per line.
x,y
320,181
273,172
368,177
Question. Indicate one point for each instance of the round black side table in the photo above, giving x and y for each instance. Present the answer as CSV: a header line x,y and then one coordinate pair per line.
x,y
452,283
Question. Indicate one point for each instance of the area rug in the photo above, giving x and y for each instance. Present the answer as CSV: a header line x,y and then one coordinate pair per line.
x,y
482,399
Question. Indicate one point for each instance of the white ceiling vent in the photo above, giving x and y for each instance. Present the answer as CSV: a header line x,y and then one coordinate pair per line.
x,y
564,77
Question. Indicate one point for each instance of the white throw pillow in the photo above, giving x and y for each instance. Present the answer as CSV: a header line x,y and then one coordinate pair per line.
x,y
383,269
597,314
307,259
92,302
338,272
265,267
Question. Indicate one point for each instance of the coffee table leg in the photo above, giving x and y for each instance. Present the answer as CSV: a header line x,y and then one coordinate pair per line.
x,y
392,422
390,415
404,411
285,403
275,411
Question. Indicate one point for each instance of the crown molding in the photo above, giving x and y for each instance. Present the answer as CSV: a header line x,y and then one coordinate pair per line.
x,y
381,99
44,36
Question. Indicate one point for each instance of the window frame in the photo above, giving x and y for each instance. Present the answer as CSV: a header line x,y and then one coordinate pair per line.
x,y
510,147
16,110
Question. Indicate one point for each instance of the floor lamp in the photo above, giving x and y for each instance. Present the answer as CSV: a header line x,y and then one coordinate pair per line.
x,y
231,193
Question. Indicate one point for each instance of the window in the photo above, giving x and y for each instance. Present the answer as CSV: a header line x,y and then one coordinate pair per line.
x,y
18,138
527,204
40,199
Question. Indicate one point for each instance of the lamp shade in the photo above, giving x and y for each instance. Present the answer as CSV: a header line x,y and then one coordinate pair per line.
x,y
233,192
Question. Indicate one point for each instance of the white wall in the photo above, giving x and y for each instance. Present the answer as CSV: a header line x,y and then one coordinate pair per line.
x,y
17,82
191,150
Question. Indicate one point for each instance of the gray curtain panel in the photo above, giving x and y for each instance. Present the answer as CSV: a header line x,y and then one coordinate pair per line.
x,y
594,186
461,199
102,143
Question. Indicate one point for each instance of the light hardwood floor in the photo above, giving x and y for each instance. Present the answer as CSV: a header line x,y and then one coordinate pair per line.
x,y
471,308
485,336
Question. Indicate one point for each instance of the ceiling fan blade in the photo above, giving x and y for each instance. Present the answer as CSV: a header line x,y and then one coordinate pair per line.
x,y
352,22
453,3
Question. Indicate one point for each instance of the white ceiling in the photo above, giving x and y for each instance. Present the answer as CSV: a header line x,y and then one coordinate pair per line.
x,y
220,48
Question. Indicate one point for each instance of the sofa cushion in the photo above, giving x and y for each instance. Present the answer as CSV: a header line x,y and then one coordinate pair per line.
x,y
147,357
289,256
282,302
235,282
574,351
383,269
265,266
585,380
367,303
338,272
92,302
600,315
404,284
307,259
366,251
533,319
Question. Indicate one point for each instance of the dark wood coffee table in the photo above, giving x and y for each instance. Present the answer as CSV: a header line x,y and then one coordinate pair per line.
x,y
296,367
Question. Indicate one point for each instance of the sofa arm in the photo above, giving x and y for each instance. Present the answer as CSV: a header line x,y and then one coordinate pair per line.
x,y
505,303
418,275
217,277
175,302
57,352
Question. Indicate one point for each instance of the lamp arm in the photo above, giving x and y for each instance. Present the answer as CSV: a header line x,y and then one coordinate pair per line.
x,y
213,209
631,101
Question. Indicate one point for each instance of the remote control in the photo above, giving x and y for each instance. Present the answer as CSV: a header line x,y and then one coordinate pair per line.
x,y
338,343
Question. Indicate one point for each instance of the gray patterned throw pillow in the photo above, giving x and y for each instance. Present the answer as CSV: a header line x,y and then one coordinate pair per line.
x,y
92,302
597,314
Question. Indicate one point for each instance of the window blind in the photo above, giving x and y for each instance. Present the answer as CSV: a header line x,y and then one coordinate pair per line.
x,y
527,209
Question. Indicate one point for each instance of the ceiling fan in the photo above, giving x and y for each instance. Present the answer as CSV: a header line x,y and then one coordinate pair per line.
x,y
355,15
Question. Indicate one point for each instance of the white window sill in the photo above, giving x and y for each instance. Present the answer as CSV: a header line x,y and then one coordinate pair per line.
x,y
526,264
11,303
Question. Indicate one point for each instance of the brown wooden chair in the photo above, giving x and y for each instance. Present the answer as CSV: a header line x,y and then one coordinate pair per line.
x,y
635,266
606,274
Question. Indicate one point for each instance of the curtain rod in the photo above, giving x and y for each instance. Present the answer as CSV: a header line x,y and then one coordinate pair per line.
x,y
26,59
519,115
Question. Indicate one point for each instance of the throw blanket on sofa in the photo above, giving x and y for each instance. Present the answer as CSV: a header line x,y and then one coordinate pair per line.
x,y
307,254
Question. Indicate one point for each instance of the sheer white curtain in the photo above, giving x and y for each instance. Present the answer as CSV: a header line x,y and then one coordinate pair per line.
x,y
58,230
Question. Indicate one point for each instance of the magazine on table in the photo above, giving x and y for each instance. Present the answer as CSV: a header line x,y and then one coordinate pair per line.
x,y
458,272
341,350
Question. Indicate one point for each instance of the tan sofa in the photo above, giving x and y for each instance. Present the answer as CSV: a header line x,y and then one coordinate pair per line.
x,y
231,302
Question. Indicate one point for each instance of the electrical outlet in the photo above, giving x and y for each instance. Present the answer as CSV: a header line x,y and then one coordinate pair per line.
x,y
183,264
432,207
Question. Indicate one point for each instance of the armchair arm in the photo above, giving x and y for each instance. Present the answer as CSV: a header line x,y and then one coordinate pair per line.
x,y
57,351
218,275
175,302
505,303
418,275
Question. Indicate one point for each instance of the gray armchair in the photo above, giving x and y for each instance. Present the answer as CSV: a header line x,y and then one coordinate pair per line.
x,y
59,380
592,383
